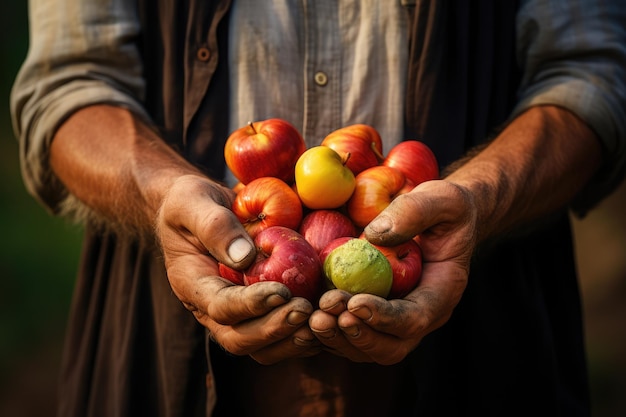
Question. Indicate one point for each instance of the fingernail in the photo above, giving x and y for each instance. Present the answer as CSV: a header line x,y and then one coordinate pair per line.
x,y
352,331
298,341
239,249
325,334
363,313
274,300
380,225
335,306
296,317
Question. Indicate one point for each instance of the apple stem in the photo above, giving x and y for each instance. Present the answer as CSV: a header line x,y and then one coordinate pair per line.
x,y
252,127
379,155
344,159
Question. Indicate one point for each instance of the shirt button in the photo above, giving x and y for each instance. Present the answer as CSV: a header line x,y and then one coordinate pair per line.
x,y
203,54
321,78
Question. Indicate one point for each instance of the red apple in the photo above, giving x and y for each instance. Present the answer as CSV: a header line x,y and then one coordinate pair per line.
x,y
283,255
268,148
406,264
361,142
319,227
375,188
233,275
415,160
265,202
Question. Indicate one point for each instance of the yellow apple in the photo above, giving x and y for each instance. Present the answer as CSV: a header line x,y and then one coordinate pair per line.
x,y
323,181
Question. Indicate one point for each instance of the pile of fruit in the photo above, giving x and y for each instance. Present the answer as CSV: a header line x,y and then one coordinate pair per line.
x,y
306,208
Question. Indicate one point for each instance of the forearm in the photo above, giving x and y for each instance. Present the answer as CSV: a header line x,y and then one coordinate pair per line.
x,y
116,165
535,166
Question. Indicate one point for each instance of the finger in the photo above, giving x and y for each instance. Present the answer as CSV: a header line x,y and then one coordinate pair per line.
x,y
301,344
226,239
362,329
388,330
428,204
323,323
334,301
423,310
228,304
250,336
398,318
326,329
257,319
382,348
200,210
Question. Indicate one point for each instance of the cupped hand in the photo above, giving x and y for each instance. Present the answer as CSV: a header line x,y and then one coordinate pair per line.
x,y
367,328
195,228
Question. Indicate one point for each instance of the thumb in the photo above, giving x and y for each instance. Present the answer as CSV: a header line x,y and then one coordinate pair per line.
x,y
395,224
197,211
225,238
428,204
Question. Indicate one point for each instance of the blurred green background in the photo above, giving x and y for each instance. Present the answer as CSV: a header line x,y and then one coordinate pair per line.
x,y
38,259
39,255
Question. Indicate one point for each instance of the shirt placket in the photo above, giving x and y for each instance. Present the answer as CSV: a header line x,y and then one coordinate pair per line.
x,y
322,70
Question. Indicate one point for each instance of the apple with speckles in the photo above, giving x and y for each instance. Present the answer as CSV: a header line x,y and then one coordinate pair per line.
x,y
283,255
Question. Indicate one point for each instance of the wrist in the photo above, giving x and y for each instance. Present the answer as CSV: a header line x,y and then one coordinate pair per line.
x,y
116,166
535,166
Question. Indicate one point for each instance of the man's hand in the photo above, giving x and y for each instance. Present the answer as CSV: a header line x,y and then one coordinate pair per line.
x,y
126,174
536,165
195,228
367,328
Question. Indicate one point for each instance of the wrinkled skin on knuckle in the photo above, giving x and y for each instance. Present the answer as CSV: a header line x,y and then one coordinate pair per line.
x,y
211,224
402,229
220,215
214,221
405,206
408,321
334,301
181,199
255,296
234,303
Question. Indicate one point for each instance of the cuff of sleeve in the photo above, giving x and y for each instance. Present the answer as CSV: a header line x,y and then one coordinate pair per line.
x,y
591,105
39,178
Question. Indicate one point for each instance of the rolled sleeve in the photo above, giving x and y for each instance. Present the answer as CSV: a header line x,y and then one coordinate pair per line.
x,y
80,54
573,54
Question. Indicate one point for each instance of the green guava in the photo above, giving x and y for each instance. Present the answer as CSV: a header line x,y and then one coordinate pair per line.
x,y
358,267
